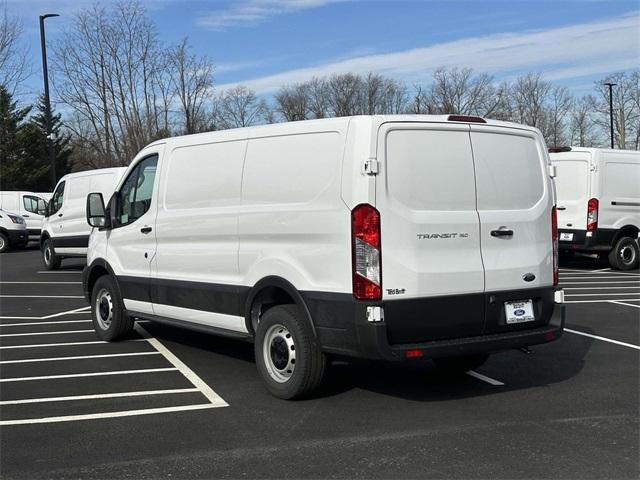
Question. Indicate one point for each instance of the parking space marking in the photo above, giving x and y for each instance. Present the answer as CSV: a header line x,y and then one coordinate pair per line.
x,y
594,294
91,374
624,282
61,271
42,283
598,301
75,311
101,395
41,296
484,378
44,333
64,344
617,302
42,323
562,279
604,339
601,288
205,389
93,416
78,357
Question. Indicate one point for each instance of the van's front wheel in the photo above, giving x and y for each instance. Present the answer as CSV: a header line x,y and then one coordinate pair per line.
x,y
49,258
624,255
109,317
287,353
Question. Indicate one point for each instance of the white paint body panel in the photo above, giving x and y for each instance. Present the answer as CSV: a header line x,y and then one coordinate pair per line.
x,y
15,201
613,176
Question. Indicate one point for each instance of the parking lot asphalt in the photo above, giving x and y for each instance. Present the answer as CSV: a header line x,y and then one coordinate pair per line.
x,y
174,403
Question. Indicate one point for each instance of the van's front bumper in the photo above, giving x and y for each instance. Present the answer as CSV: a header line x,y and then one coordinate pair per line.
x,y
342,327
18,238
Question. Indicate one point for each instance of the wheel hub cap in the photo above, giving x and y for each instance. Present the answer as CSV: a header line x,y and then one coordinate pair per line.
x,y
279,353
104,309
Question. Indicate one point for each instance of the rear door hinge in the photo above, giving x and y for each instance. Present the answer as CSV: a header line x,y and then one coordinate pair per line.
x,y
370,166
553,171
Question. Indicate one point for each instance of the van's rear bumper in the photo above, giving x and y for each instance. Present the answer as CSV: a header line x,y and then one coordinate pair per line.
x,y
599,240
342,326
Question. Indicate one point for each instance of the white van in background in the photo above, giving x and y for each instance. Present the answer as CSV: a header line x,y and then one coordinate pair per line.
x,y
381,237
599,202
65,232
29,205
13,231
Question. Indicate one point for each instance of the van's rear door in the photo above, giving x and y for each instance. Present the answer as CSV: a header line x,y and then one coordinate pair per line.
x,y
514,201
572,187
432,274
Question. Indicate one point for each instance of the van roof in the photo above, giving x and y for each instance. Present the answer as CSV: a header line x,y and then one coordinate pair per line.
x,y
307,126
594,149
96,171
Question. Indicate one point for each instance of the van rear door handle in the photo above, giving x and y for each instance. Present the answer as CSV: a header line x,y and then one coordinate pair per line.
x,y
502,233
561,208
59,214
146,229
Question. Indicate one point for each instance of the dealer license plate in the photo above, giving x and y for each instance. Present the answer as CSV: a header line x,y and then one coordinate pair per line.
x,y
566,237
519,312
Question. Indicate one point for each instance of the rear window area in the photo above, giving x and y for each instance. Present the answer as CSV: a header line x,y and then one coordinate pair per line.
x,y
509,170
572,178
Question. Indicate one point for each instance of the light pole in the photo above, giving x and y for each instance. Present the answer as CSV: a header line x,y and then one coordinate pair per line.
x,y
47,103
611,85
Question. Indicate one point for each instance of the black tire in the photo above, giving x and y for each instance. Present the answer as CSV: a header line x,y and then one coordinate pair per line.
x,y
109,317
287,353
49,257
460,365
624,255
4,243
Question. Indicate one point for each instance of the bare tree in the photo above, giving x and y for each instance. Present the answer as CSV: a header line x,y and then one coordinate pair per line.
x,y
463,92
345,94
318,97
14,67
529,95
192,80
582,122
626,114
292,101
239,107
559,105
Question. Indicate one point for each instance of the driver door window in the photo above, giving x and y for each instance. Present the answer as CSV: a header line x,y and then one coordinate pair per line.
x,y
33,204
135,194
56,199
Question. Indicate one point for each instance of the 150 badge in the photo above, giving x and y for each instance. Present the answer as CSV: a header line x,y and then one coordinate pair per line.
x,y
428,236
396,291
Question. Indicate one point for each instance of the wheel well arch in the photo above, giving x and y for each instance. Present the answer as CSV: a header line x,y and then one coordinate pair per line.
x,y
97,269
626,231
270,292
3,230
43,237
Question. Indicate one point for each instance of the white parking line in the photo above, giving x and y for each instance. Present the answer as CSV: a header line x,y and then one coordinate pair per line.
x,y
41,283
42,323
61,271
41,296
595,294
44,333
602,288
100,395
64,344
601,274
563,279
78,357
75,311
91,374
604,339
617,302
205,389
93,416
624,282
484,378
601,301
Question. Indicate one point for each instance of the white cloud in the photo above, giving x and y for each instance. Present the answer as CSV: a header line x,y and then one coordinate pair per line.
x,y
559,53
253,12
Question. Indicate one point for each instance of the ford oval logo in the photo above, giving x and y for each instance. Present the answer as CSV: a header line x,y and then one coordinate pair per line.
x,y
519,312
528,277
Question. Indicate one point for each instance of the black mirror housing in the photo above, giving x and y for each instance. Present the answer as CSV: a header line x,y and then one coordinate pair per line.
x,y
96,214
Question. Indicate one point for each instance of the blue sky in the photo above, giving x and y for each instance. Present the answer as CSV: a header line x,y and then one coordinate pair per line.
x,y
267,43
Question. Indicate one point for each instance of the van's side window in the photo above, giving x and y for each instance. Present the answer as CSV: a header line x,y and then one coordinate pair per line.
x,y
56,199
135,194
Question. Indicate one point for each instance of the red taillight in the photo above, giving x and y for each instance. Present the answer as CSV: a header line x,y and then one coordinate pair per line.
x,y
554,240
365,233
413,353
592,214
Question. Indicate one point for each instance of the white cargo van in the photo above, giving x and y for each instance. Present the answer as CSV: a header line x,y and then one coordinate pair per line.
x,y
29,205
13,231
65,232
381,237
599,202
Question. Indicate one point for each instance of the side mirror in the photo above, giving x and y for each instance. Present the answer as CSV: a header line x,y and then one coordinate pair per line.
x,y
42,207
96,215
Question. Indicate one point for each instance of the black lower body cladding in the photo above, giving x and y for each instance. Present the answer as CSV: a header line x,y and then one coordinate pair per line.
x,y
600,240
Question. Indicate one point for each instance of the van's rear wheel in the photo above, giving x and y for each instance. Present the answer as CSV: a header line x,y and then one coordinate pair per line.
x,y
50,259
287,353
624,255
109,317
459,365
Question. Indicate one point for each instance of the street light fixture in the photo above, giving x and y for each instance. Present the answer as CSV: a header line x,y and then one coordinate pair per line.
x,y
47,104
611,85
